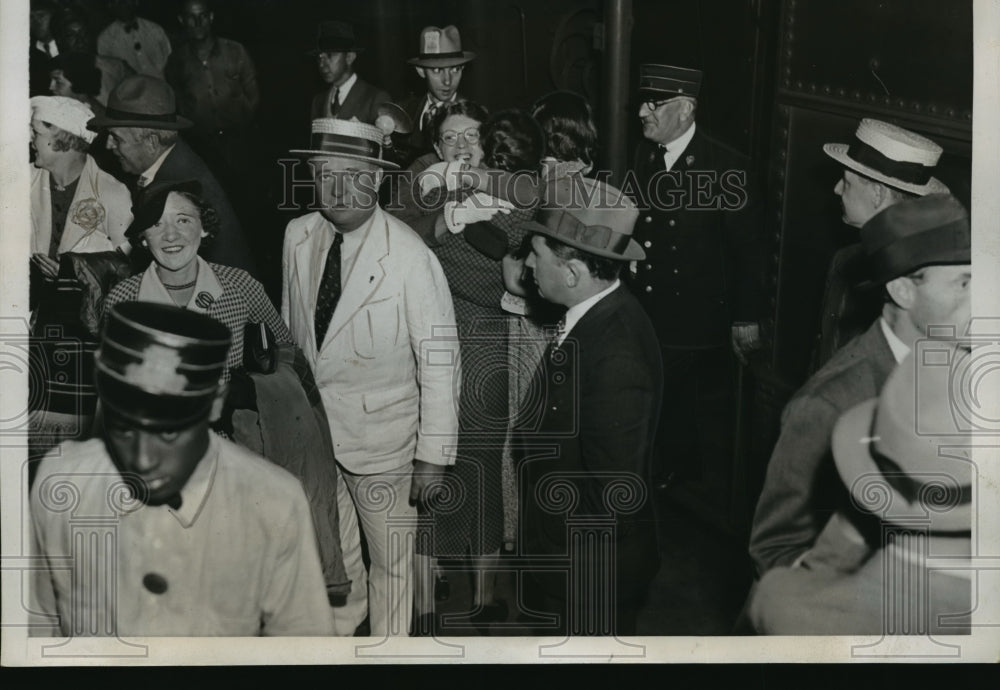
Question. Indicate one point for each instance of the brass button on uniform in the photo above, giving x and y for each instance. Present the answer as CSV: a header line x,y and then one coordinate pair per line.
x,y
672,222
649,288
647,244
649,219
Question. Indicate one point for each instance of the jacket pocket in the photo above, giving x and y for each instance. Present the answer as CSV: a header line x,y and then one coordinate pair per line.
x,y
376,401
375,328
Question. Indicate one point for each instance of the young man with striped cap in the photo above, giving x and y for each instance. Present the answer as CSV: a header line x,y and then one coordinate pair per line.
x,y
188,534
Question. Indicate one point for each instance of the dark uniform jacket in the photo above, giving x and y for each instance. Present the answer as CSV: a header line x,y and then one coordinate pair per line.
x,y
593,427
700,227
362,102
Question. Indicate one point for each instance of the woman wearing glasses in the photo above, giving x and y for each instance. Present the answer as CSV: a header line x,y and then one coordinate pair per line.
x,y
469,205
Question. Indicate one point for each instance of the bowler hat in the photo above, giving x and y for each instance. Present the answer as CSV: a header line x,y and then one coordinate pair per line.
x,y
346,139
891,155
590,215
903,455
441,48
159,366
336,37
141,101
667,81
149,203
926,231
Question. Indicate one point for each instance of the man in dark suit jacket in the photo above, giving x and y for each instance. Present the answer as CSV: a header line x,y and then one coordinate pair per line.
x,y
348,96
700,283
919,250
142,124
590,439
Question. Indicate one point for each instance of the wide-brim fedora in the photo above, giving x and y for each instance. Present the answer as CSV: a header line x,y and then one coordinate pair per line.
x,y
931,230
159,366
589,215
150,201
346,139
885,445
336,37
891,155
441,48
141,101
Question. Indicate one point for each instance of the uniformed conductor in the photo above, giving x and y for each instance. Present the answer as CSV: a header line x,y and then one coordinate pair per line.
x,y
700,280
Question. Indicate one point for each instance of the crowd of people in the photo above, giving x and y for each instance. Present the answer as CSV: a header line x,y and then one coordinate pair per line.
x,y
483,351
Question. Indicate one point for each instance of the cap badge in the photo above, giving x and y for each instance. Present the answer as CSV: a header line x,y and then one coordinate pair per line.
x,y
157,373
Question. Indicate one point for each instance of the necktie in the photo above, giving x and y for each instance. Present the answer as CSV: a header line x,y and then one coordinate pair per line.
x,y
425,122
329,290
335,103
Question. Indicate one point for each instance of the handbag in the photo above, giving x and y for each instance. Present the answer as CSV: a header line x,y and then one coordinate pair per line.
x,y
260,351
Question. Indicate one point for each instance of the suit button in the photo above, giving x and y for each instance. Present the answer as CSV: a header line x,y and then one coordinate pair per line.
x,y
649,219
649,288
678,293
649,267
673,247
676,271
555,407
672,222
647,244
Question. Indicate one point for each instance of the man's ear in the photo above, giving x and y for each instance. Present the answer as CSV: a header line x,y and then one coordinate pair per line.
x,y
422,72
217,403
902,292
574,273
350,57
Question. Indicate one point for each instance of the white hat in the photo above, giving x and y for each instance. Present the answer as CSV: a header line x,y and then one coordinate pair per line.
x,y
891,155
65,113
346,139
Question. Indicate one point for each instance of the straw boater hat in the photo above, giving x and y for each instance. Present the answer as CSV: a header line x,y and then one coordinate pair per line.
x,y
589,215
159,366
927,231
891,155
441,48
667,81
141,101
346,139
906,446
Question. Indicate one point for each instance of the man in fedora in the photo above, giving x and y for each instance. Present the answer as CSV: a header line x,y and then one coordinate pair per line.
x,y
440,62
349,96
600,387
906,462
209,539
369,305
918,253
884,165
700,281
143,124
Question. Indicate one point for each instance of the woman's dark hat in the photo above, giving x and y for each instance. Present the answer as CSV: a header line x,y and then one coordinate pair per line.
x,y
336,37
159,366
141,101
926,231
149,203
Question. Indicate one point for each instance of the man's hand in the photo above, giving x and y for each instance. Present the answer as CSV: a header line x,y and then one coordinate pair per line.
x,y
746,339
477,207
426,482
49,268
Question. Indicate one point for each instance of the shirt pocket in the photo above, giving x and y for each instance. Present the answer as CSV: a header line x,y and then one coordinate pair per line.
x,y
375,329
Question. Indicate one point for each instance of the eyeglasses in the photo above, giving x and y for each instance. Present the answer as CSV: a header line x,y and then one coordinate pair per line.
x,y
450,136
653,105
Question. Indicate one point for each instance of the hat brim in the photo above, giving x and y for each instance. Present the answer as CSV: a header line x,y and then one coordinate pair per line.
x,y
467,56
851,444
645,92
102,121
633,252
311,153
335,49
838,152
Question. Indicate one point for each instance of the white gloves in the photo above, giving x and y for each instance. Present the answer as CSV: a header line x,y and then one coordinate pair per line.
x,y
476,208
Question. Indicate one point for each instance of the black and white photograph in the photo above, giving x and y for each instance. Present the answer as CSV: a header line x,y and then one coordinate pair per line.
x,y
444,331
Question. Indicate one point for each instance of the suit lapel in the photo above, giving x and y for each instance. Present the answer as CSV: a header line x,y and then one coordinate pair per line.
x,y
365,277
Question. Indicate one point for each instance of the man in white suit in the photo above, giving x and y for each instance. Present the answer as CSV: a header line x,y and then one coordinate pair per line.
x,y
386,364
